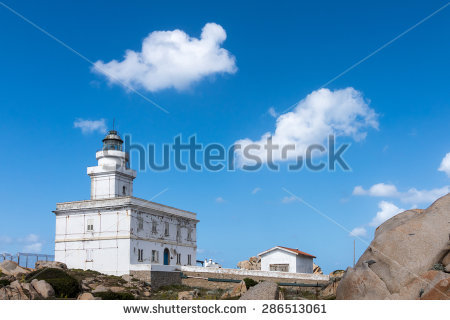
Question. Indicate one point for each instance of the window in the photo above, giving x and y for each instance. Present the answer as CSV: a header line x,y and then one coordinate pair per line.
x,y
155,255
140,224
178,258
89,255
154,227
124,190
189,260
279,267
140,255
166,229
90,225
189,235
178,233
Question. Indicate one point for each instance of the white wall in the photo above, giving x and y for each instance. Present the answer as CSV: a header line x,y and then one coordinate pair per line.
x,y
304,264
278,256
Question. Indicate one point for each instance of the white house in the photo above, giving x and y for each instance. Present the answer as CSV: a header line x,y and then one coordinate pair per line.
x,y
287,260
114,232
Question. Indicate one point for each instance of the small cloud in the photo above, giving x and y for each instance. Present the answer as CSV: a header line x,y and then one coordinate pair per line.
x,y
220,200
387,211
256,190
358,232
33,247
377,190
90,126
272,112
445,164
289,199
171,59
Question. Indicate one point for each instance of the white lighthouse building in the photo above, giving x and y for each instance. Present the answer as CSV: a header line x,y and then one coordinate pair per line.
x,y
116,233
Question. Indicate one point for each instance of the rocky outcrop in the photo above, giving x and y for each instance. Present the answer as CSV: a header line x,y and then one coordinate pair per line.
x,y
43,288
26,291
50,264
11,268
237,291
266,290
329,291
399,261
317,269
253,263
188,295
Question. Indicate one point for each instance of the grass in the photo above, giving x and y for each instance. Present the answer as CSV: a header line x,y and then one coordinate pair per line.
x,y
65,285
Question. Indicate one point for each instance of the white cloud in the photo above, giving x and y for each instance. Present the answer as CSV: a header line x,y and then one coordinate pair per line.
x,y
33,247
220,200
411,196
445,164
171,59
323,112
90,126
289,199
387,211
377,190
358,232
272,112
256,190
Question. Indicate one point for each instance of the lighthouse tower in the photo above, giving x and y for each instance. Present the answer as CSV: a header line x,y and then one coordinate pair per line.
x,y
112,177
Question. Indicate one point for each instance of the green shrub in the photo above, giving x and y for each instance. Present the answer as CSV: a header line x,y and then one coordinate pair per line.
x,y
438,266
250,282
65,286
109,295
4,282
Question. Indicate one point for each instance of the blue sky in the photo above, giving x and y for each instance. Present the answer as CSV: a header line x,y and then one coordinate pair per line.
x,y
276,55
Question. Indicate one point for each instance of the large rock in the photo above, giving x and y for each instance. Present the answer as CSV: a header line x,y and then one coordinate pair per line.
x,y
50,264
317,269
253,263
440,291
43,288
11,268
187,295
404,248
266,290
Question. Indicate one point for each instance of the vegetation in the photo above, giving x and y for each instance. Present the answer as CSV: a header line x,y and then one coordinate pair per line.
x,y
438,266
4,282
109,295
250,282
65,286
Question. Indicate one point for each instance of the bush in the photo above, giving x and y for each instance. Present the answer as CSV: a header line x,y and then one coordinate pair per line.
x,y
438,266
65,286
4,282
250,282
109,295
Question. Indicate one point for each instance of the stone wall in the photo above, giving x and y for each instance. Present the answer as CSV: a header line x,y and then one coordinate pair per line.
x,y
158,278
198,277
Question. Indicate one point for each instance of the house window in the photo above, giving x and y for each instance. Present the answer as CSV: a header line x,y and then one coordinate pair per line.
x,y
140,255
166,229
189,235
155,257
154,227
279,267
140,224
189,260
124,190
90,225
178,258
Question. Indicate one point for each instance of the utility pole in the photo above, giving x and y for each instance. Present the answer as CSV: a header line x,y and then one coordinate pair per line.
x,y
354,245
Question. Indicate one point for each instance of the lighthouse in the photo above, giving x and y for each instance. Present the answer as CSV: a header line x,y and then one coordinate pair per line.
x,y
116,233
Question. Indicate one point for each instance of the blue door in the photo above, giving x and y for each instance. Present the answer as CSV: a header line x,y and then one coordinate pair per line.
x,y
166,257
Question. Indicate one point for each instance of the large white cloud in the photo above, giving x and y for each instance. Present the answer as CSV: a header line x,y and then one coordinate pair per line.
x,y
323,112
412,196
387,211
171,59
445,164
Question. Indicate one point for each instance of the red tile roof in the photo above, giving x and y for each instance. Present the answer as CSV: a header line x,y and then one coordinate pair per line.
x,y
298,252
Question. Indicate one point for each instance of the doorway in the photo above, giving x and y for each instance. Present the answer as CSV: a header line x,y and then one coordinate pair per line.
x,y
166,257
